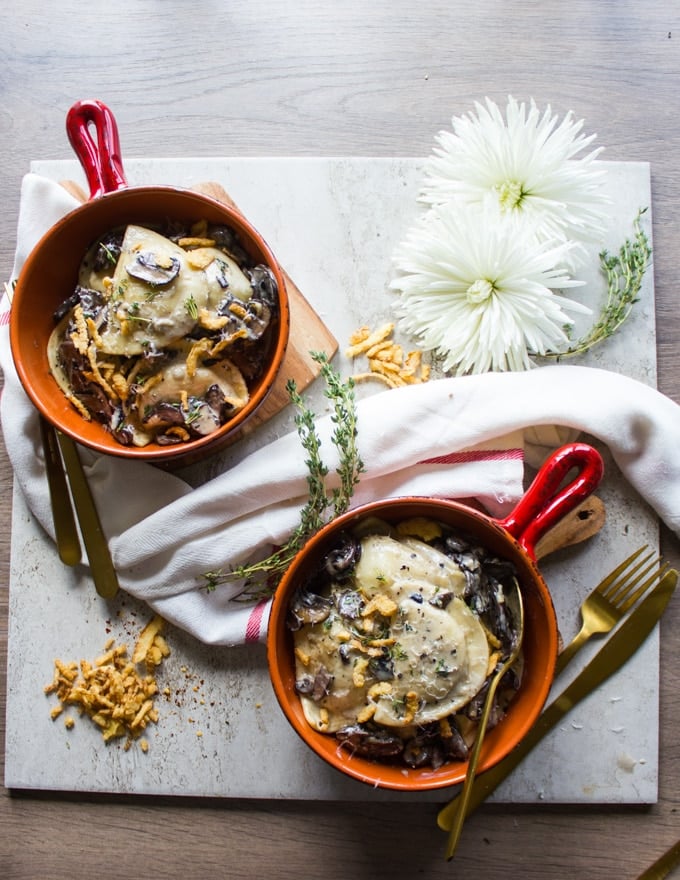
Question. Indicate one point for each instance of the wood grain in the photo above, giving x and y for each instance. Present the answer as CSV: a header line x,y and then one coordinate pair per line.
x,y
258,78
308,334
581,524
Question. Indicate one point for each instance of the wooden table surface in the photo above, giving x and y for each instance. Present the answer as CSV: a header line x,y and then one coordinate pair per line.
x,y
328,78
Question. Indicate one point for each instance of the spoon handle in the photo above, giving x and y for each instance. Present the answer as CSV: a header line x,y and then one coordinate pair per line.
x,y
464,798
459,817
99,557
65,529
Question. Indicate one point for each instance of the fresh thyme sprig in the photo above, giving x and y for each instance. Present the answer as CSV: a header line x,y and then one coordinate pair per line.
x,y
261,578
344,437
624,273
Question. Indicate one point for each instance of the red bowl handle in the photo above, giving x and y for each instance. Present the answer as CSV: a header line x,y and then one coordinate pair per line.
x,y
547,501
100,157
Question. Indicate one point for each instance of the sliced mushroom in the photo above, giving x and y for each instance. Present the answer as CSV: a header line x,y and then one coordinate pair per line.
x,y
71,369
201,418
315,686
381,668
162,416
101,259
226,239
122,430
371,743
307,607
154,269
107,251
350,604
454,746
216,399
92,303
442,598
257,319
345,652
339,563
419,752
222,274
264,284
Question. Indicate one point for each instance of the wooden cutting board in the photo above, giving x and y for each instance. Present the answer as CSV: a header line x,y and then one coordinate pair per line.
x,y
308,333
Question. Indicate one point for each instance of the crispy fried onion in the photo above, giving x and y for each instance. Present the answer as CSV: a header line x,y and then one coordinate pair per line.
x,y
386,360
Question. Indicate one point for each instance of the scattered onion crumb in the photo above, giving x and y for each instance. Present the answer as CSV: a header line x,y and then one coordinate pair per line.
x,y
386,361
114,692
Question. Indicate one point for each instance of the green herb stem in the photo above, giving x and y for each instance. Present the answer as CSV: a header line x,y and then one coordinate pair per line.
x,y
261,578
624,273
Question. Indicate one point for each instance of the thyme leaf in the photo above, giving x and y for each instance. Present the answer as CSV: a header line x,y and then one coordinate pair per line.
x,y
624,273
261,578
191,306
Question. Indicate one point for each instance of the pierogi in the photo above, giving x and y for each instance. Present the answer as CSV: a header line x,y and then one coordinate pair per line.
x,y
389,646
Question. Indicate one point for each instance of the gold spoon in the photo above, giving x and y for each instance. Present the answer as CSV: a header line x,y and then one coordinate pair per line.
x,y
459,818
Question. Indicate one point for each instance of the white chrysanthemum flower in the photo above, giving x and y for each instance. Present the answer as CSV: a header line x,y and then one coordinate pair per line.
x,y
527,161
478,297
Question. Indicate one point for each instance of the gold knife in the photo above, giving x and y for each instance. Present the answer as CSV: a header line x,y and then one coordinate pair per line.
x,y
65,529
98,555
625,641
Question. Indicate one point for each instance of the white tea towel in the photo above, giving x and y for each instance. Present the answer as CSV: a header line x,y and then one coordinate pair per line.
x,y
458,437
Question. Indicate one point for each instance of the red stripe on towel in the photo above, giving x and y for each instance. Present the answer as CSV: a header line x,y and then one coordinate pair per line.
x,y
476,455
4,318
255,622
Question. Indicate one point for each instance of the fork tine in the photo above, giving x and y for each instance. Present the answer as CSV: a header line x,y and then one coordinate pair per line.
x,y
613,575
644,586
611,598
623,572
631,578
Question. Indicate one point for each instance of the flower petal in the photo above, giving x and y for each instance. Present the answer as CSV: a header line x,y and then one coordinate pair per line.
x,y
456,247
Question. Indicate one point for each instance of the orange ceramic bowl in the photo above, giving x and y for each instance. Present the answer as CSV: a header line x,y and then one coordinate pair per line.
x,y
50,273
513,539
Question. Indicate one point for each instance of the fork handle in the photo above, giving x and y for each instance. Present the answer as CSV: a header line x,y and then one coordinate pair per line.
x,y
572,648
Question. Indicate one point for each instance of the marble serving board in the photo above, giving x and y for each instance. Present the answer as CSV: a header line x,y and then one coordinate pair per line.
x,y
334,223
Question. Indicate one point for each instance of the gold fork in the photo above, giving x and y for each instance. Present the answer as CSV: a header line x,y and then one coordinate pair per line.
x,y
611,598
625,641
